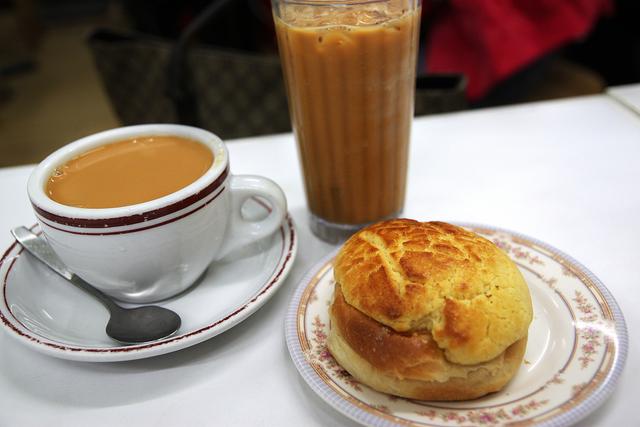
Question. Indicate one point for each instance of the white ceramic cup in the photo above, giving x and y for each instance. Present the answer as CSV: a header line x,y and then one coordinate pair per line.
x,y
154,250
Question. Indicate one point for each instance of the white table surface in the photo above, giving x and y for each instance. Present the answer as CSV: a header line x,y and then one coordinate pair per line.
x,y
627,95
565,172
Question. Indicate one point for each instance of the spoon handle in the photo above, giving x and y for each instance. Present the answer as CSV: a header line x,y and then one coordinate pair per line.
x,y
40,249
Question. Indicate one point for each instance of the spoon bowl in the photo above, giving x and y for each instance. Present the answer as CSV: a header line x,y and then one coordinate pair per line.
x,y
142,324
126,325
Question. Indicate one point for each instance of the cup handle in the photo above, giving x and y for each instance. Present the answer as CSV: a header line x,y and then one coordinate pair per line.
x,y
241,231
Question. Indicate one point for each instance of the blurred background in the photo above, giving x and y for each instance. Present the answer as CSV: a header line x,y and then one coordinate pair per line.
x,y
69,68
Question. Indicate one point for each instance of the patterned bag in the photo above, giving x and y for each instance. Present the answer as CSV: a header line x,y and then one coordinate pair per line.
x,y
233,94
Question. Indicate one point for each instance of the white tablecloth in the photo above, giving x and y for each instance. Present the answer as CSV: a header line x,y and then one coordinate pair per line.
x,y
627,95
565,172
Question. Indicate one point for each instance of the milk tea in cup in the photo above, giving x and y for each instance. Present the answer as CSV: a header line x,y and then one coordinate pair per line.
x,y
129,172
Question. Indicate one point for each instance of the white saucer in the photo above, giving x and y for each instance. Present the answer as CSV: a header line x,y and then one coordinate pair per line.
x,y
575,353
44,312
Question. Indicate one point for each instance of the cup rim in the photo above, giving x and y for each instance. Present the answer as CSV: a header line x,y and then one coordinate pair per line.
x,y
85,217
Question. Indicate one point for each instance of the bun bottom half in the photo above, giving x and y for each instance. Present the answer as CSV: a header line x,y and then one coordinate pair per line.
x,y
454,382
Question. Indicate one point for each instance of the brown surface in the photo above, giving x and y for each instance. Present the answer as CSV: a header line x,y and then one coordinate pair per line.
x,y
413,276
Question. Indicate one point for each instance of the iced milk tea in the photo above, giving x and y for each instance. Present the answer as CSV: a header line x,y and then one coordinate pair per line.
x,y
350,75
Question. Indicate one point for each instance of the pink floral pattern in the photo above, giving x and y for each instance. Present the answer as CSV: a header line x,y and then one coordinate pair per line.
x,y
551,282
382,408
520,410
517,252
589,348
577,389
313,297
567,272
485,416
588,310
321,355
488,417
590,335
557,379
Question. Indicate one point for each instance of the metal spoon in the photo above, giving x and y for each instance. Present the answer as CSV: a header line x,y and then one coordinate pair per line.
x,y
126,325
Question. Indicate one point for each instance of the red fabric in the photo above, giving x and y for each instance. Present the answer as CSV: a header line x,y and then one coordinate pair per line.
x,y
488,40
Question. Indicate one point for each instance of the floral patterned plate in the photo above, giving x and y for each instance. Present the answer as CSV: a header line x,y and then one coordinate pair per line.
x,y
576,350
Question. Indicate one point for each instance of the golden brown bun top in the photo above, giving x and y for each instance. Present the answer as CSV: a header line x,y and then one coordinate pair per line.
x,y
416,276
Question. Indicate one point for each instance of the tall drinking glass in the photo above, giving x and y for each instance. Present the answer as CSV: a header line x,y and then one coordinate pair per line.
x,y
349,68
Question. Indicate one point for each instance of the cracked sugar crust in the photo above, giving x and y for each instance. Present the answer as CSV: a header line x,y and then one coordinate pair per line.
x,y
431,276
